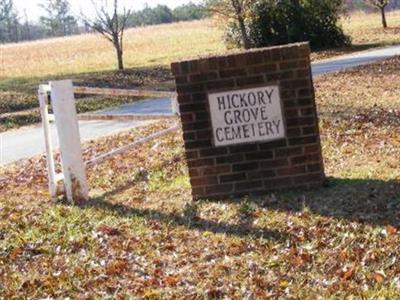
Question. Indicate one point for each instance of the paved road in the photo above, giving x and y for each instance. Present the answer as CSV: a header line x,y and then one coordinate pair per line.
x,y
353,60
28,142
160,106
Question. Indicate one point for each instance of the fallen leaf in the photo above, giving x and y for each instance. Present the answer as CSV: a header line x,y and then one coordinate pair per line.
x,y
283,284
349,273
116,267
171,280
107,230
391,229
379,276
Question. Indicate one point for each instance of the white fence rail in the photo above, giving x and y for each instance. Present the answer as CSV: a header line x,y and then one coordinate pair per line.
x,y
66,121
83,90
137,143
121,92
125,117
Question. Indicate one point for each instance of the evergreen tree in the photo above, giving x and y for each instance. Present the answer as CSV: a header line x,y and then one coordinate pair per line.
x,y
58,19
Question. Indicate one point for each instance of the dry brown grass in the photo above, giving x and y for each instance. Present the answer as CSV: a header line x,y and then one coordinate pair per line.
x,y
367,28
141,236
366,32
360,112
147,46
159,45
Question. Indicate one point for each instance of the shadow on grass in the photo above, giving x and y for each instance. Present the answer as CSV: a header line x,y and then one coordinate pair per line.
x,y
187,218
375,202
184,219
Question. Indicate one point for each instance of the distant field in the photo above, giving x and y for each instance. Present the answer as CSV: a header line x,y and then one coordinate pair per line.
x,y
367,28
89,59
155,45
366,31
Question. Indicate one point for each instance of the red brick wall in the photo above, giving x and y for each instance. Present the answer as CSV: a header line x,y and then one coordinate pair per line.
x,y
260,167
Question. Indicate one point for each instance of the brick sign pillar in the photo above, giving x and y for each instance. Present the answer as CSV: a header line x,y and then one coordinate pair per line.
x,y
249,122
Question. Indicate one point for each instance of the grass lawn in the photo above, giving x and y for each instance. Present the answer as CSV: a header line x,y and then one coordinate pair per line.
x,y
90,60
140,235
366,32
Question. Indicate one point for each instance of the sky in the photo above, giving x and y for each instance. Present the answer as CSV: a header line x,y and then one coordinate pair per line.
x,y
34,11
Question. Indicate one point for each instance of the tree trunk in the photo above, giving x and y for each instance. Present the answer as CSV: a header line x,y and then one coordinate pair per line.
x,y
384,23
245,37
119,56
120,60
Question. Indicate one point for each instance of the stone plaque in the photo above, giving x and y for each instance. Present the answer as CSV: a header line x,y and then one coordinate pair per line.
x,y
246,116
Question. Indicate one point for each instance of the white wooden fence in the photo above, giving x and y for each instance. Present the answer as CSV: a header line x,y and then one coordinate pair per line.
x,y
73,176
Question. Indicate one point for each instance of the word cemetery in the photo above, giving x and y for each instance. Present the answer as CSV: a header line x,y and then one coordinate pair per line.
x,y
249,122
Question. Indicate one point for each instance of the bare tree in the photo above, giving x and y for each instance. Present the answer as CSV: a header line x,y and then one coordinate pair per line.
x,y
233,9
381,5
110,25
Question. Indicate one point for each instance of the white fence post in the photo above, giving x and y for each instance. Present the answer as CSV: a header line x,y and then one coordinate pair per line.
x,y
42,94
175,105
66,120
